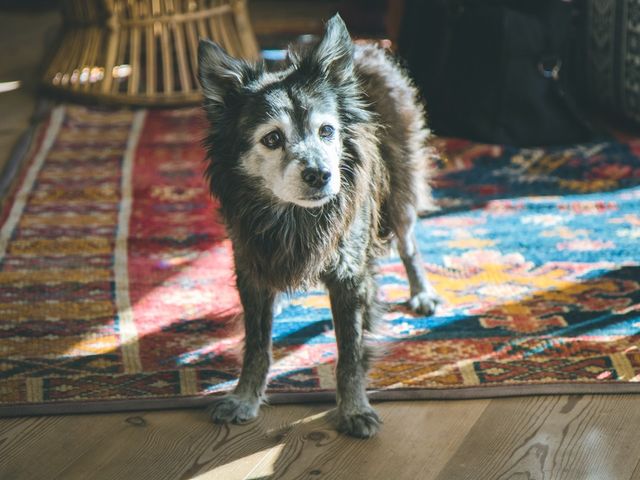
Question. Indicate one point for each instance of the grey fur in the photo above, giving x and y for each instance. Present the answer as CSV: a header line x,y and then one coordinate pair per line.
x,y
289,237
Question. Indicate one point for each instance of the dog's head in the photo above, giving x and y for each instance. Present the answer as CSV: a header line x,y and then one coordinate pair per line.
x,y
286,127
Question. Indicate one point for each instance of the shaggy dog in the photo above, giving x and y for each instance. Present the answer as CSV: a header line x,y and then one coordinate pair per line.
x,y
315,167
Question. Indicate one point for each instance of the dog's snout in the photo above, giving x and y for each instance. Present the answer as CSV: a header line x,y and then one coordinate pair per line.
x,y
316,177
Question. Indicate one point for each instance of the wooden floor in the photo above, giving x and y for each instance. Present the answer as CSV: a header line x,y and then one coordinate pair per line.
x,y
555,437
24,39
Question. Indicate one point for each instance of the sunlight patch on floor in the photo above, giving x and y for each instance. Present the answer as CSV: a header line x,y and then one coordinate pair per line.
x,y
262,462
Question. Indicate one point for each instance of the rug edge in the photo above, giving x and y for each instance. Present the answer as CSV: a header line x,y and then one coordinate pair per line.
x,y
461,393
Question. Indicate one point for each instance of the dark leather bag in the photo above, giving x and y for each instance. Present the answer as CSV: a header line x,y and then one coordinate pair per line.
x,y
496,71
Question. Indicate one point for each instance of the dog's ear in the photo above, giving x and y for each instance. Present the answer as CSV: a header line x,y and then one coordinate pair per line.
x,y
219,72
334,53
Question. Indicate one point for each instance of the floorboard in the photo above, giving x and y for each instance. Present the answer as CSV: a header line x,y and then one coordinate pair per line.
x,y
563,437
552,437
24,41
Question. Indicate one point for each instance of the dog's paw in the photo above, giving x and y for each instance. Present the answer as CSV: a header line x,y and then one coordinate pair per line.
x,y
363,424
234,409
424,303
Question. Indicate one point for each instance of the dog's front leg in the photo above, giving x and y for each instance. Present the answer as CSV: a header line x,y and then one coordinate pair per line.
x,y
349,301
243,404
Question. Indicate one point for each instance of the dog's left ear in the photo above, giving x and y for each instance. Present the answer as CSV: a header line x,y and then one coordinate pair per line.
x,y
219,72
334,53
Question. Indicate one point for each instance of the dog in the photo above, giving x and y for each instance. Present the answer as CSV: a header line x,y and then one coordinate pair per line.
x,y
315,167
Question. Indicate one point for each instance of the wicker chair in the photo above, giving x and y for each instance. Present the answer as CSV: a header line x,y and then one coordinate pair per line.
x,y
143,52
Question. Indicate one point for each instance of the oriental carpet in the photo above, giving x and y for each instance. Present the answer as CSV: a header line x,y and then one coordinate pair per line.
x,y
117,290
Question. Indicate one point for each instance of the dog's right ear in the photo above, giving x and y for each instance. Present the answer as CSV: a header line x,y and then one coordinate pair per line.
x,y
219,72
334,53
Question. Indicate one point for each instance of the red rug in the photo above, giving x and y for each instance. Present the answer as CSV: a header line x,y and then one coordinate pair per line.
x,y
116,288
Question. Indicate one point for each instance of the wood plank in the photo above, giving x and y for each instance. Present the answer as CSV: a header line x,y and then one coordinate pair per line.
x,y
636,473
154,445
568,437
564,437
34,448
26,38
286,441
413,441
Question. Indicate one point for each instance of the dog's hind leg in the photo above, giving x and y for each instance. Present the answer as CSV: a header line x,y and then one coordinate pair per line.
x,y
349,303
424,298
244,403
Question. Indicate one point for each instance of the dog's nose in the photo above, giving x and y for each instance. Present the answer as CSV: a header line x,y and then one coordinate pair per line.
x,y
316,177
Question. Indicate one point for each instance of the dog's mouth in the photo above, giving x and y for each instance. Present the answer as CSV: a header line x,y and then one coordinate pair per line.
x,y
315,200
318,196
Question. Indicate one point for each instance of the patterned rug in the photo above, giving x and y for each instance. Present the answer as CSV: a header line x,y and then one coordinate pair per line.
x,y
116,289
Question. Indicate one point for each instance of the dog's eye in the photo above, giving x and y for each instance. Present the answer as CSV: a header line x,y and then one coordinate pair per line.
x,y
272,140
326,131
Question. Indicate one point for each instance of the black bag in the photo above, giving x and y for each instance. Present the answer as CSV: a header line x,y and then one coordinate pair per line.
x,y
496,71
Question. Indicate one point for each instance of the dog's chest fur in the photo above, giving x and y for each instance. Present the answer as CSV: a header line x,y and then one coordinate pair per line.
x,y
287,247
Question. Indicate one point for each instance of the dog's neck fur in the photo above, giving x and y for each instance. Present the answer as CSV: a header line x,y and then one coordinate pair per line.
x,y
288,246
